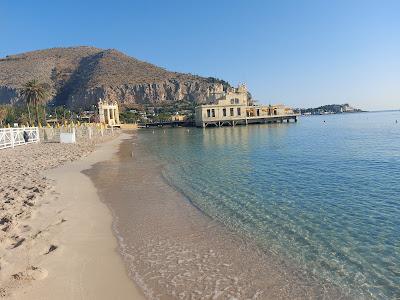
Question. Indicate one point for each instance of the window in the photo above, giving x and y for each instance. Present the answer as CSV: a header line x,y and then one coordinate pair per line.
x,y
224,112
236,101
232,112
232,101
238,111
258,112
213,113
208,113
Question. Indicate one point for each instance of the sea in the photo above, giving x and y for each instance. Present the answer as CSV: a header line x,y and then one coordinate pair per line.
x,y
321,195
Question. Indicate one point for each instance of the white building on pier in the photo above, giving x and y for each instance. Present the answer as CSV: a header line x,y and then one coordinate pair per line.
x,y
233,107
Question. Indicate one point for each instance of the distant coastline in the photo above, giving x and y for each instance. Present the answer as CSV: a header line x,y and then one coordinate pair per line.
x,y
329,109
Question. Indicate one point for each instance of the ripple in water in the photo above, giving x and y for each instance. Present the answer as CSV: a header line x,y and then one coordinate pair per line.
x,y
324,195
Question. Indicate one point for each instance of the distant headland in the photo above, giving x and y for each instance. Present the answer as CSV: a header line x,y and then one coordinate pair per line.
x,y
329,109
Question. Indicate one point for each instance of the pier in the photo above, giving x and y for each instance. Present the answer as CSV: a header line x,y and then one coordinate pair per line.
x,y
233,107
250,120
167,124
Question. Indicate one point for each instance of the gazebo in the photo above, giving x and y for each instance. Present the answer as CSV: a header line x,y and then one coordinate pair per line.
x,y
109,113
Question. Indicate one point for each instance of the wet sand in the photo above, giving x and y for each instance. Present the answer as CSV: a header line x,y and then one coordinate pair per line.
x,y
173,251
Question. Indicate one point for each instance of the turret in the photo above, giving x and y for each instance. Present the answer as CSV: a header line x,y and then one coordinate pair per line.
x,y
241,88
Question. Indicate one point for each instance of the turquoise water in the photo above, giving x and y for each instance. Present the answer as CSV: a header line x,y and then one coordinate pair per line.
x,y
324,193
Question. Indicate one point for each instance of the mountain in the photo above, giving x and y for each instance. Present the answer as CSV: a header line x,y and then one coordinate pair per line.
x,y
80,76
329,109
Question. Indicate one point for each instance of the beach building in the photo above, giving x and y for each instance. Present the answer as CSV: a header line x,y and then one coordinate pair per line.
x,y
109,113
233,107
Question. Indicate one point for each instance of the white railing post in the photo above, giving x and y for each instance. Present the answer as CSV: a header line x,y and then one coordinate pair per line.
x,y
37,135
12,137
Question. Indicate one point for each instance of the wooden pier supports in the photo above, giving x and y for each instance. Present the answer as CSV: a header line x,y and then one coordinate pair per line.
x,y
246,121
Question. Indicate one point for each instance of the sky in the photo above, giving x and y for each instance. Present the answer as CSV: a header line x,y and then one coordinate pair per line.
x,y
300,53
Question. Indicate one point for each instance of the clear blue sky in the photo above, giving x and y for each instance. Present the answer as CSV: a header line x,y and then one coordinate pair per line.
x,y
302,53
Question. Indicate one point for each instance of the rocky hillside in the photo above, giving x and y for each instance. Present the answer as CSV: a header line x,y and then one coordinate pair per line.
x,y
79,76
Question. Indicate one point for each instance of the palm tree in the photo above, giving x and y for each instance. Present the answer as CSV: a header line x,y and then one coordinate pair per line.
x,y
35,93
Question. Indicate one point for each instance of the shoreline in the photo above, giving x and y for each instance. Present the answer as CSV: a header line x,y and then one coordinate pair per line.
x,y
75,253
172,249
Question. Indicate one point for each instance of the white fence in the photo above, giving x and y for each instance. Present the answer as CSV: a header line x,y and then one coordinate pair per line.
x,y
11,137
83,132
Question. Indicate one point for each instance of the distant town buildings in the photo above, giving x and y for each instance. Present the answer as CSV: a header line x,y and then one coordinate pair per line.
x,y
178,118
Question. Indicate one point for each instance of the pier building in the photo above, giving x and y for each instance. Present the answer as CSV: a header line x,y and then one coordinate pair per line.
x,y
233,107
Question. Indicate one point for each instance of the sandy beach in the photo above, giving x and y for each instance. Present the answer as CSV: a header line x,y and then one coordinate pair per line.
x,y
101,222
56,236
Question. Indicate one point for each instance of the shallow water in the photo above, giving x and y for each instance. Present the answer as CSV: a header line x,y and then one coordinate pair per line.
x,y
323,194
174,251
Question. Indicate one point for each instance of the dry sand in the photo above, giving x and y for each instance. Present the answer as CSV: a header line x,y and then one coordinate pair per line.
x,y
56,240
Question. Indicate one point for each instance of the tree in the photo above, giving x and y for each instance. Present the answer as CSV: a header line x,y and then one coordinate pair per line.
x,y
35,93
3,113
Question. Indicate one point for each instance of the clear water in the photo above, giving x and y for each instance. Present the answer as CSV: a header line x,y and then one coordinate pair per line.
x,y
323,193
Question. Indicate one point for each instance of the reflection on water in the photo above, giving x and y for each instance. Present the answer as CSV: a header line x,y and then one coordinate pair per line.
x,y
324,192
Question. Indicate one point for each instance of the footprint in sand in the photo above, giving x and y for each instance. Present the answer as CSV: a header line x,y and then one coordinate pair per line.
x,y
6,228
37,273
37,234
31,273
29,203
30,197
18,243
5,220
62,221
51,249
25,228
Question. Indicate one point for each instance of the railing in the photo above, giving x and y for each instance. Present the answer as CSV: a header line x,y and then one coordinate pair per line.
x,y
82,132
11,137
